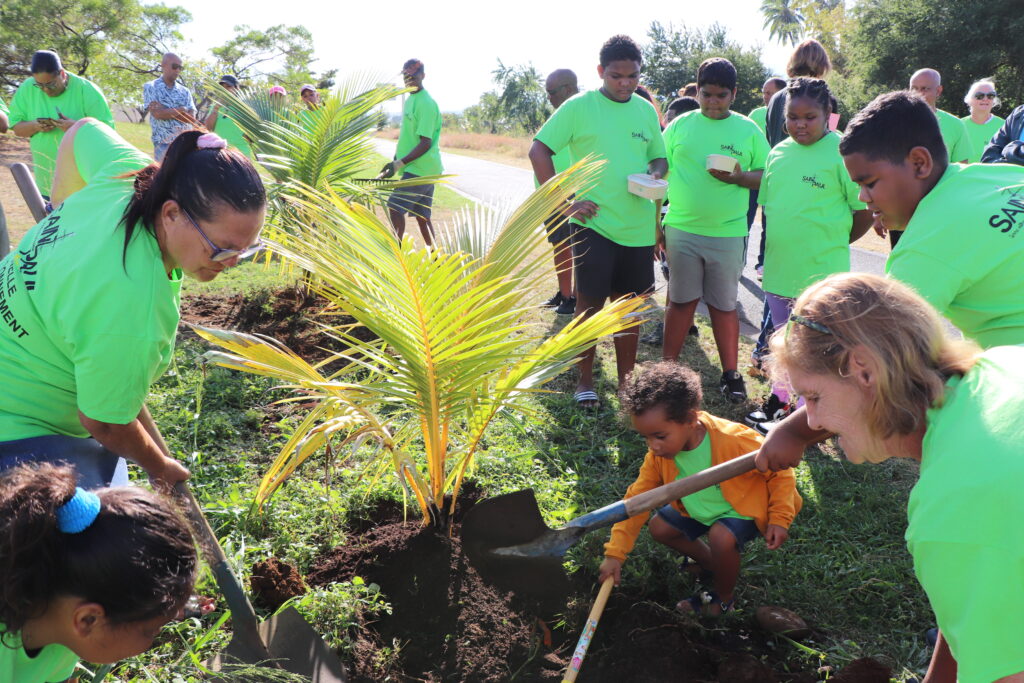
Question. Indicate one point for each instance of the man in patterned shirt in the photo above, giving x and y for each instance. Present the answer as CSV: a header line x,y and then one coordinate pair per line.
x,y
170,105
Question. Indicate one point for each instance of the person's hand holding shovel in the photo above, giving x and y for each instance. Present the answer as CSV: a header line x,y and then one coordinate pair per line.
x,y
611,567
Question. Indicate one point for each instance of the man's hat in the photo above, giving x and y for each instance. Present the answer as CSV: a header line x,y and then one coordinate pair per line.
x,y
412,66
306,87
228,79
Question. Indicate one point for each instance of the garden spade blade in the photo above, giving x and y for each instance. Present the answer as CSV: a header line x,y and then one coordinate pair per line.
x,y
506,538
284,641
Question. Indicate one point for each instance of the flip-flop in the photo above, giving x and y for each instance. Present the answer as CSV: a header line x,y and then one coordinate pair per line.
x,y
586,399
703,576
693,604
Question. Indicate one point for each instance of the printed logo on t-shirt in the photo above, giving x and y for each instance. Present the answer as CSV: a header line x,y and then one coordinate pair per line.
x,y
640,135
729,148
1011,215
29,258
814,182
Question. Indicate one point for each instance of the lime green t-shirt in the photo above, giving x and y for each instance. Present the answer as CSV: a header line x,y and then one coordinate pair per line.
x,y
809,198
954,134
560,161
963,250
964,517
3,107
627,137
229,130
707,505
51,664
80,329
760,117
980,134
421,117
699,203
81,98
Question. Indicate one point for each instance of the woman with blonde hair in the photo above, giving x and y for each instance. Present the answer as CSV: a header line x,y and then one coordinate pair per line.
x,y
982,124
878,369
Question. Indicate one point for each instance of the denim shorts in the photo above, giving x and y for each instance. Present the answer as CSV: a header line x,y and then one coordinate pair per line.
x,y
95,465
744,530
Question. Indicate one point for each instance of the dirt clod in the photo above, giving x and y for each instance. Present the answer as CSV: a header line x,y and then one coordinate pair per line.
x,y
275,582
864,670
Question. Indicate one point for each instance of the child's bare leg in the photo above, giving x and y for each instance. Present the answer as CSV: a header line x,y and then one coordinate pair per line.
x,y
666,534
725,563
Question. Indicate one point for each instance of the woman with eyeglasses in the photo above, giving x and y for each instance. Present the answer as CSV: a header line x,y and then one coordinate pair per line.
x,y
982,124
89,300
878,369
46,105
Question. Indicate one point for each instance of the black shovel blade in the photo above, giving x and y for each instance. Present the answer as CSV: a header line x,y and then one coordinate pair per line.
x,y
510,520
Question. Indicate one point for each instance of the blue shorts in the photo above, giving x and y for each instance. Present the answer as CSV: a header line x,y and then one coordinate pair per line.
x,y
95,465
415,200
744,530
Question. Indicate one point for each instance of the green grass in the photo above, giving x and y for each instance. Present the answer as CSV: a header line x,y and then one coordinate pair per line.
x,y
845,567
138,134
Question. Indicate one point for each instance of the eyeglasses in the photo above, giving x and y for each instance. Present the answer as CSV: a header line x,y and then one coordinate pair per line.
x,y
55,84
552,91
220,254
810,324
984,95
176,67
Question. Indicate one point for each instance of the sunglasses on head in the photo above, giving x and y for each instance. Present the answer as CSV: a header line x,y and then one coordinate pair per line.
x,y
984,95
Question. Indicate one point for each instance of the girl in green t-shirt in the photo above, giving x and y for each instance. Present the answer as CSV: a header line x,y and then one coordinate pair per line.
x,y
85,575
879,369
814,211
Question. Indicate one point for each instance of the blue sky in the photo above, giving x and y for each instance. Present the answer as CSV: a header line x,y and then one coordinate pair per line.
x,y
460,42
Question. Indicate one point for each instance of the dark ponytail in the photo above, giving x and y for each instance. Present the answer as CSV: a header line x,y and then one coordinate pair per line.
x,y
137,559
814,88
197,179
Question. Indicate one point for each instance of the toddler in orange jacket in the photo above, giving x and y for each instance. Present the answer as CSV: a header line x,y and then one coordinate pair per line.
x,y
663,401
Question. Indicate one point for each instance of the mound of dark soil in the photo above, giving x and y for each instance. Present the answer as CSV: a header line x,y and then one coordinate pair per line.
x,y
275,582
865,670
288,316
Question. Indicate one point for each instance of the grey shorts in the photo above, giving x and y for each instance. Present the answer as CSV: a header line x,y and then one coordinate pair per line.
x,y
415,200
704,267
95,465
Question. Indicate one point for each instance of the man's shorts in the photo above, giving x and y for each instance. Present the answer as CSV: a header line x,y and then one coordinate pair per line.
x,y
704,267
744,530
414,200
560,235
603,267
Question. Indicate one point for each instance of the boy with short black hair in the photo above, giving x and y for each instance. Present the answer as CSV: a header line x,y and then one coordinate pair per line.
x,y
663,402
963,243
613,230
706,225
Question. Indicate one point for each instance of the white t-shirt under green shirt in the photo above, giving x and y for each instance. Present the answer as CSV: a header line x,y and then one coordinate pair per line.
x,y
808,198
80,328
627,136
699,203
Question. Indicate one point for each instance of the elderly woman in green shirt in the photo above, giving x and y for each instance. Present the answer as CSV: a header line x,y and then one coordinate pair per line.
x,y
89,301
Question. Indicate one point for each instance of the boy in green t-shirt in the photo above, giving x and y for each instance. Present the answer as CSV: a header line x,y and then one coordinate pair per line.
x,y
963,242
705,229
613,231
417,154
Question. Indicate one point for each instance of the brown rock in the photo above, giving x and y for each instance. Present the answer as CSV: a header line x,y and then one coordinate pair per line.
x,y
274,582
782,621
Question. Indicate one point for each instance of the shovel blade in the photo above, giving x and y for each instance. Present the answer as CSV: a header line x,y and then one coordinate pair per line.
x,y
505,521
290,644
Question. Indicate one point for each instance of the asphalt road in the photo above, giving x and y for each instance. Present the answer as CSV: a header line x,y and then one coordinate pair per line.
x,y
496,184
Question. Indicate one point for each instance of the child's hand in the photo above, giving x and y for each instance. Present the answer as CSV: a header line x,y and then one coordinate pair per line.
x,y
775,536
613,568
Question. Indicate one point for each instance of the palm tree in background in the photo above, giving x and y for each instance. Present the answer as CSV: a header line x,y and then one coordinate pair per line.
x,y
783,19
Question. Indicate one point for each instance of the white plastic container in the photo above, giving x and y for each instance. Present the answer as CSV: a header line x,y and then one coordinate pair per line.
x,y
643,185
721,162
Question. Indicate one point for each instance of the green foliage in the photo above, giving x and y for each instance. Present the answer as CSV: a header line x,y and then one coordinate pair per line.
x,y
280,53
672,55
519,106
964,41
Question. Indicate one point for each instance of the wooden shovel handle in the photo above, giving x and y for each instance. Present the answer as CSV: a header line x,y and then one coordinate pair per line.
x,y
648,500
588,631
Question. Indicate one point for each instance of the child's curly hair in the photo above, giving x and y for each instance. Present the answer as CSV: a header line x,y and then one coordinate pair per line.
x,y
675,387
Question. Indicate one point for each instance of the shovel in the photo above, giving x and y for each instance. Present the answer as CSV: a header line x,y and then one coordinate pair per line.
x,y
506,539
29,191
284,641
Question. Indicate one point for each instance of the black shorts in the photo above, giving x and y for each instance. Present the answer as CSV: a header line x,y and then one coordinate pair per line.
x,y
560,234
603,267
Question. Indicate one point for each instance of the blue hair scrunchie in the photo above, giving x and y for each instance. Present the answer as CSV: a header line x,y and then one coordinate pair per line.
x,y
78,513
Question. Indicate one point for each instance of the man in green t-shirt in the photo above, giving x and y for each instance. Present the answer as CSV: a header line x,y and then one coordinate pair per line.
x,y
3,116
417,154
705,228
49,103
964,224
613,231
219,122
561,84
768,90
